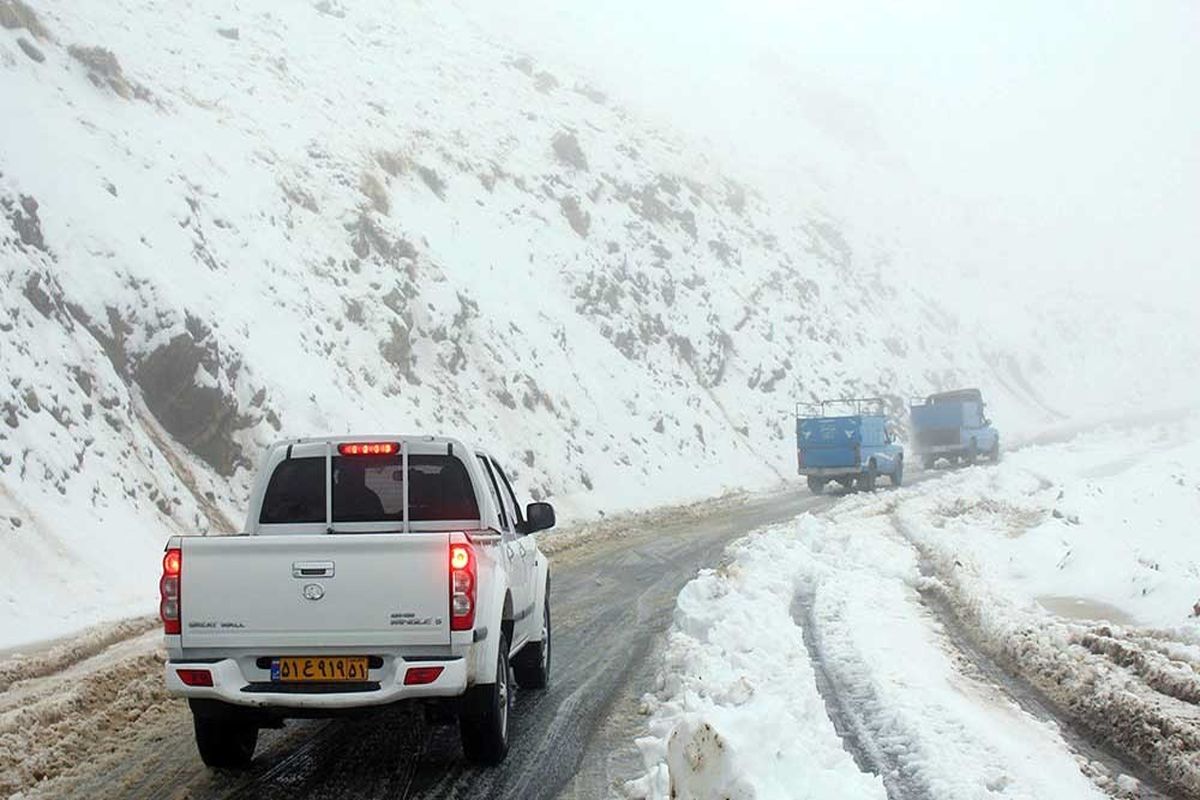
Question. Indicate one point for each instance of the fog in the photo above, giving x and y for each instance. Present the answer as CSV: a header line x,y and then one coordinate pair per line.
x,y
997,142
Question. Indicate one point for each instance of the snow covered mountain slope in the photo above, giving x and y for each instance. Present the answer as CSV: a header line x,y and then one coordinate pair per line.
x,y
226,225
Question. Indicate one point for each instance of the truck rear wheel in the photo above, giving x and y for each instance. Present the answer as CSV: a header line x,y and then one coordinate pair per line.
x,y
225,743
866,481
483,721
972,453
928,461
816,485
897,476
994,454
531,667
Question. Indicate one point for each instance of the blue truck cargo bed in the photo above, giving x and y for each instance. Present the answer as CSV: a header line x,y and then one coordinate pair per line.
x,y
852,449
830,441
952,425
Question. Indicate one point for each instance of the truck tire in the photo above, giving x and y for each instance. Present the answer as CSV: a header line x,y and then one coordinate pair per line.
x,y
816,485
972,453
531,667
928,461
897,476
994,454
483,721
225,743
866,481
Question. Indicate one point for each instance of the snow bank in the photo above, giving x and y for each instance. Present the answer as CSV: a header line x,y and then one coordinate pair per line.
x,y
736,712
736,667
1103,524
867,612
1106,523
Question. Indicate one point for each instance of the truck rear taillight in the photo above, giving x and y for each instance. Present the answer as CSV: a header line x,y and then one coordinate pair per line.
x,y
420,676
195,677
462,587
168,590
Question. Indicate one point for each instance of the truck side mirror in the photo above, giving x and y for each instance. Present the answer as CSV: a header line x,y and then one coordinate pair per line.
x,y
538,517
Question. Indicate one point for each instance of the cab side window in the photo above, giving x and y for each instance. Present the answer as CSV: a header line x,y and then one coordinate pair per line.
x,y
495,490
510,504
507,491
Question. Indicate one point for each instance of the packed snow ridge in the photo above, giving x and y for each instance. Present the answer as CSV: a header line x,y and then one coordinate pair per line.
x,y
220,228
1025,630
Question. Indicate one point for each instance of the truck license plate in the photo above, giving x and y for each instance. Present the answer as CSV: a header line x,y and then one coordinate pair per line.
x,y
319,669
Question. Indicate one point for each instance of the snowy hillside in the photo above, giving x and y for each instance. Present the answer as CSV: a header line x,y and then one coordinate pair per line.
x,y
224,227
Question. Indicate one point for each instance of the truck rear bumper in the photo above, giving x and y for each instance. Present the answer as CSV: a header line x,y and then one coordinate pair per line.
x,y
830,472
941,449
230,685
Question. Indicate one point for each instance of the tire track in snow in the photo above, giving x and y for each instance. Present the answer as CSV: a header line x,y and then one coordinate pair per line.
x,y
46,659
1103,765
1106,760
847,716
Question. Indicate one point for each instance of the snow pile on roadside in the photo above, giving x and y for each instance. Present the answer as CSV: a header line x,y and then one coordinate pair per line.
x,y
737,713
1100,527
842,594
1105,524
70,709
924,612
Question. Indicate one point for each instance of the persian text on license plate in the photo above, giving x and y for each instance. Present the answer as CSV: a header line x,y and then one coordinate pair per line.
x,y
319,669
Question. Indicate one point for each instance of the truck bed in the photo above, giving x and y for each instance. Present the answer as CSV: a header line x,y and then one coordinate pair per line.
x,y
826,442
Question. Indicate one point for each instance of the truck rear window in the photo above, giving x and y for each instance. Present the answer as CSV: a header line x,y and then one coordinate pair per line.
x,y
370,490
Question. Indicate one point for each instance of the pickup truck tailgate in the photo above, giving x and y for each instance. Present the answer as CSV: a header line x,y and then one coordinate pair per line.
x,y
829,441
309,590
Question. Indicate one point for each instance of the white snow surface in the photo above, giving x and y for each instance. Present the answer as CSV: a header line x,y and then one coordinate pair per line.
x,y
229,224
738,714
1104,523
863,582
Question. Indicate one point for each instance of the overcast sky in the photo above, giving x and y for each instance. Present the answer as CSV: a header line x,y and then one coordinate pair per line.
x,y
1040,137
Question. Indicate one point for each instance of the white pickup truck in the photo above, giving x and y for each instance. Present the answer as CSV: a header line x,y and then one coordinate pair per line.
x,y
372,570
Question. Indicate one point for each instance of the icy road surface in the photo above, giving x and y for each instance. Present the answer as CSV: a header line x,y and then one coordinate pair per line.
x,y
89,717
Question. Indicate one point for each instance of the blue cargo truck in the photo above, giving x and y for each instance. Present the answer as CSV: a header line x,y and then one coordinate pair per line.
x,y
847,441
953,425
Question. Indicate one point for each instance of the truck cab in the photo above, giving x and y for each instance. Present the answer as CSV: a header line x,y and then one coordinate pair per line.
x,y
847,441
371,570
953,425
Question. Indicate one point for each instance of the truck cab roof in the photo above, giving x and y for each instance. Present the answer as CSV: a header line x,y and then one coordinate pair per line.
x,y
956,396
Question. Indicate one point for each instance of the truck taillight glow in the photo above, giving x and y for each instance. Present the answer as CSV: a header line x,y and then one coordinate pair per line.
x,y
420,676
195,677
368,448
168,590
462,587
